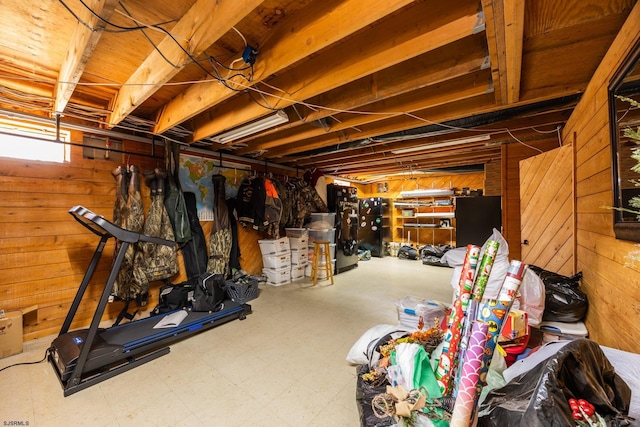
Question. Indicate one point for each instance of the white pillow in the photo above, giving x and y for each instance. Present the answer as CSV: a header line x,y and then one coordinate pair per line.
x,y
358,353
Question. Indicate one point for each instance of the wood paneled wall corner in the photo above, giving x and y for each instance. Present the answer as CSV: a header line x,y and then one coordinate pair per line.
x,y
613,288
44,253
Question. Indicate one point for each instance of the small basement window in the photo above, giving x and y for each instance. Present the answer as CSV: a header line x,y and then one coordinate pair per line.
x,y
29,141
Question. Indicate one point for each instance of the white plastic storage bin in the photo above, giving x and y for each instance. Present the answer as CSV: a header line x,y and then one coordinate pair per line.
x,y
299,257
322,221
327,234
322,274
411,309
297,272
297,243
277,261
296,232
274,246
277,277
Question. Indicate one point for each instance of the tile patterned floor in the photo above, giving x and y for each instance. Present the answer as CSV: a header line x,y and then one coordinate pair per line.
x,y
282,366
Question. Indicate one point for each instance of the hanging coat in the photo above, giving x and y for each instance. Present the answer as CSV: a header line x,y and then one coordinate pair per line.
x,y
155,262
220,239
131,216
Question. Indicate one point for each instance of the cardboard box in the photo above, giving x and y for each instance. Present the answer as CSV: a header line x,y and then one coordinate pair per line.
x,y
11,330
515,325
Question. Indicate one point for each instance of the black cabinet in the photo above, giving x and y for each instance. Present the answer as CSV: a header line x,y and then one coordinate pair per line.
x,y
476,217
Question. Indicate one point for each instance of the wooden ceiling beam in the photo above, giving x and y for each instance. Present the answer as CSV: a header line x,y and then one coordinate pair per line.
x,y
203,24
404,36
293,40
81,46
505,32
427,97
523,128
450,111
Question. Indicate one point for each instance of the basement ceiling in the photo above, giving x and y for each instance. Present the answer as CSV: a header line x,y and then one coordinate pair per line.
x,y
360,81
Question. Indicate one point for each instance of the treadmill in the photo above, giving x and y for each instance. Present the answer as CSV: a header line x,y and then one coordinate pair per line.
x,y
85,357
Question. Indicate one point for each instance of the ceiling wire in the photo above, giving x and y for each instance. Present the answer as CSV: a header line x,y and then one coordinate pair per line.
x,y
248,88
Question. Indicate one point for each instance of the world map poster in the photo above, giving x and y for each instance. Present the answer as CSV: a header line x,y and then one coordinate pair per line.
x,y
195,176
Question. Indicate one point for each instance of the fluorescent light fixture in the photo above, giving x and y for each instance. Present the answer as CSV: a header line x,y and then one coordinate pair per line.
x,y
442,144
429,192
251,128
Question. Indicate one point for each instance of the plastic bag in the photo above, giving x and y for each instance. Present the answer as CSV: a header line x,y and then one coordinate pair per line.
x,y
532,297
578,370
364,394
564,301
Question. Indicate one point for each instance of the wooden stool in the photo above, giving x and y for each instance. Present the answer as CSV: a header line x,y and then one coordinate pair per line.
x,y
321,248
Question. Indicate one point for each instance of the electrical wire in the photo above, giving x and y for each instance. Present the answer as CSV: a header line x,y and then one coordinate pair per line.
x,y
252,88
157,49
46,353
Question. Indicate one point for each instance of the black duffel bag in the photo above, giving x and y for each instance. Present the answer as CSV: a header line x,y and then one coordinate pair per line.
x,y
174,297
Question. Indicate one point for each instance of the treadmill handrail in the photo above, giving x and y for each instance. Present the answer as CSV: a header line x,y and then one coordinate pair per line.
x,y
103,227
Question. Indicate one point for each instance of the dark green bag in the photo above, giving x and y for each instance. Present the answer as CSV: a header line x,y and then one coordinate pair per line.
x,y
174,199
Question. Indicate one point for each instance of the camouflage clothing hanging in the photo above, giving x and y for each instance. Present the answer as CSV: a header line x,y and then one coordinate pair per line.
x,y
220,239
155,262
128,214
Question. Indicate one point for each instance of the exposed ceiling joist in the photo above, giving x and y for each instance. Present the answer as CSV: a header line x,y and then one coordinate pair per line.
x,y
199,28
400,38
81,46
300,36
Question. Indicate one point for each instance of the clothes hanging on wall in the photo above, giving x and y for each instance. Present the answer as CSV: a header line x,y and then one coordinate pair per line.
x,y
128,213
154,262
220,239
296,200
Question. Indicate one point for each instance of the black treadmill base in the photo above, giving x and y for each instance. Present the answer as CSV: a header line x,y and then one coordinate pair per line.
x,y
98,377
144,347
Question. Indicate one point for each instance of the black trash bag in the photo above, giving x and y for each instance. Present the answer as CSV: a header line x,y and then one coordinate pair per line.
x,y
407,252
364,395
564,300
434,260
540,396
431,250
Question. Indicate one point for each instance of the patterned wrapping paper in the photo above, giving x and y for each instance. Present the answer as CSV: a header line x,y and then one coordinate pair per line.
x,y
494,312
464,407
480,283
448,359
484,269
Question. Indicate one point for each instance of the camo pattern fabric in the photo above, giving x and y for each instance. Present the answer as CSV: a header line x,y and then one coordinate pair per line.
x,y
131,216
219,250
155,262
220,239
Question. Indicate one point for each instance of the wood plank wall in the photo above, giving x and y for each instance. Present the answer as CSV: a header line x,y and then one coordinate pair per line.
x,y
44,252
396,185
613,288
512,154
547,212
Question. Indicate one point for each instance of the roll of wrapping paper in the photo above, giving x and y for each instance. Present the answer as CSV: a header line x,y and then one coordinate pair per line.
x,y
464,408
480,283
494,312
484,270
449,357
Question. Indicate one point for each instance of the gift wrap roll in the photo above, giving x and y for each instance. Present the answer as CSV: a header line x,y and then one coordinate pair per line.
x,y
484,269
464,408
448,359
494,312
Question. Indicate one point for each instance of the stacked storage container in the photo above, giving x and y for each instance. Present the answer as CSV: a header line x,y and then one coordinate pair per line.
x,y
276,260
299,244
322,227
